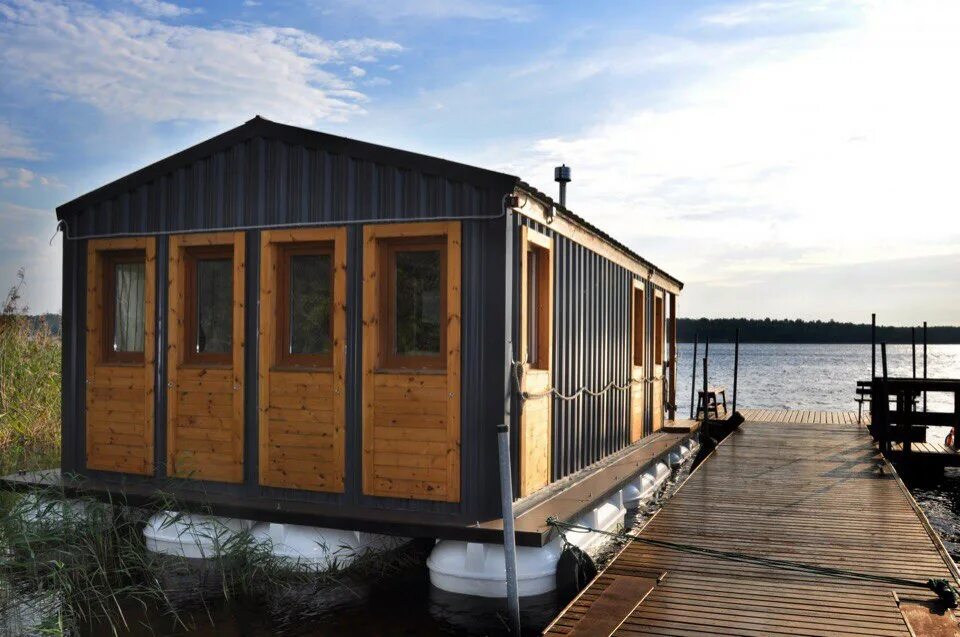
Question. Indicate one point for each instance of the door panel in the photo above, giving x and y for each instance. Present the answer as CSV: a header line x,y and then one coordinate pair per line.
x,y
302,428
536,355
205,353
638,346
120,384
411,411
657,385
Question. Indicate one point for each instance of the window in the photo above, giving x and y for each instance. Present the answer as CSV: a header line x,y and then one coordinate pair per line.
x,y
413,301
658,330
124,306
209,304
537,299
534,311
305,305
638,318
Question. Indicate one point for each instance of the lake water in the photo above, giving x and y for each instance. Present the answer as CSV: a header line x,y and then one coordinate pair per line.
x,y
820,377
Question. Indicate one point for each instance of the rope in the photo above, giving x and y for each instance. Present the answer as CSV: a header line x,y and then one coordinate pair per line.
x,y
942,587
612,385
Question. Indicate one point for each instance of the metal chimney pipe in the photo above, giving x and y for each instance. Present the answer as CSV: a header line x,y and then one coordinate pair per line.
x,y
561,175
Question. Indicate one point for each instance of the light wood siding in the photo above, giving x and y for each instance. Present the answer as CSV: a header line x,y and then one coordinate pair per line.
x,y
302,431
204,401
638,386
411,418
536,416
657,385
119,397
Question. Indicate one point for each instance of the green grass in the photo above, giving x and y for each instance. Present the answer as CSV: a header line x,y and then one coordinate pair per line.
x,y
29,395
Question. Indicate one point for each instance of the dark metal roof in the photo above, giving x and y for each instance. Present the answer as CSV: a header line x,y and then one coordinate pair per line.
x,y
566,212
259,127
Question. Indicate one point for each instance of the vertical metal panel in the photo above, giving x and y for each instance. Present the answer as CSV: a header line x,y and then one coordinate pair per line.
x,y
592,302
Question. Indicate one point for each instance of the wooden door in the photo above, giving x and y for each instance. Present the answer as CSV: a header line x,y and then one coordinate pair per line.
x,y
120,354
303,288
411,393
205,353
657,371
536,357
638,351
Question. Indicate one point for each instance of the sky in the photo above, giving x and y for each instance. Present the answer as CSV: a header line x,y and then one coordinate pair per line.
x,y
791,159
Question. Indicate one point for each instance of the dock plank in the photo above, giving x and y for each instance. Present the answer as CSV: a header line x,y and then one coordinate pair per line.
x,y
798,486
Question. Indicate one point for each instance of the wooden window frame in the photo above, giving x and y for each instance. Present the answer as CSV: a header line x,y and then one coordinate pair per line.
x,y
110,259
191,255
387,250
542,246
284,358
658,328
638,327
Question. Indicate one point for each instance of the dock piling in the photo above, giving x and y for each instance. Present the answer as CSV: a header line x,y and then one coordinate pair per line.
x,y
736,366
693,379
873,345
924,364
913,349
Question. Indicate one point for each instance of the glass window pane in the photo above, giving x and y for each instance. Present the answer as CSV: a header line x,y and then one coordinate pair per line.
x,y
129,307
533,309
310,304
418,303
214,305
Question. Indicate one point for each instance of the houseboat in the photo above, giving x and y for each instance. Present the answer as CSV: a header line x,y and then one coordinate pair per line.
x,y
316,338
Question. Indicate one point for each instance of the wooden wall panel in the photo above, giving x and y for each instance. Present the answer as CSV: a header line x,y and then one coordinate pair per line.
x,y
536,415
204,401
411,418
119,396
302,428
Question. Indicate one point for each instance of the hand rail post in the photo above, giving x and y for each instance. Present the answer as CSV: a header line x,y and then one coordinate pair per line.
x,y
693,379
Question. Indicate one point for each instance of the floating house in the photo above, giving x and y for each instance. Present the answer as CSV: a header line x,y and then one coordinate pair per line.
x,y
292,328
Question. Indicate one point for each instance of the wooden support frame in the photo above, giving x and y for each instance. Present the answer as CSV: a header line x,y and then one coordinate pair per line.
x,y
302,427
672,372
658,360
119,396
638,350
205,417
411,417
536,415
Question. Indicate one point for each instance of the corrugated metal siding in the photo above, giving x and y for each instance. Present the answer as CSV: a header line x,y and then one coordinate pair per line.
x,y
265,182
591,348
262,182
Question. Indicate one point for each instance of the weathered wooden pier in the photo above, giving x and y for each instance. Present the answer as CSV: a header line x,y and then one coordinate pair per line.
x,y
796,525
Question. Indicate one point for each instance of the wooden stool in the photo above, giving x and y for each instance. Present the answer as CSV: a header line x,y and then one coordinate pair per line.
x,y
707,402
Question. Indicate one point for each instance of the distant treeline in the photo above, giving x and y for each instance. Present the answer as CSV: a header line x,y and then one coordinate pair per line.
x,y
52,322
799,331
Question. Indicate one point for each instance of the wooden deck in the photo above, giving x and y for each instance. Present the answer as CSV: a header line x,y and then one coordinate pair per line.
x,y
797,486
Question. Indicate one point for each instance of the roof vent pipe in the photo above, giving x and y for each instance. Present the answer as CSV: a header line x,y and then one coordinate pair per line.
x,y
561,175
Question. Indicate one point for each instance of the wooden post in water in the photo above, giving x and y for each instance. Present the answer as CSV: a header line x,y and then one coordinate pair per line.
x,y
925,367
736,367
873,346
705,386
913,349
693,379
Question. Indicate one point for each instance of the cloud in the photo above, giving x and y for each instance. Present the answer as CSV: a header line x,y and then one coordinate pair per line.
x,y
387,10
25,178
13,145
754,149
159,9
356,71
129,65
